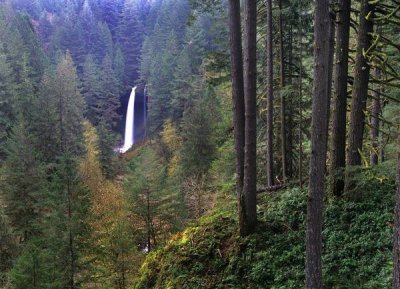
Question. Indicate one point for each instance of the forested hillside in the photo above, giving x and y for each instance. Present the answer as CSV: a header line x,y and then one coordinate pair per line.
x,y
266,142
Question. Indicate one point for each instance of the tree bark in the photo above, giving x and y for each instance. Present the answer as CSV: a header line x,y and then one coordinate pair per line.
x,y
360,86
300,105
319,137
235,33
250,95
376,108
331,33
283,100
270,97
396,243
340,97
70,239
289,113
148,221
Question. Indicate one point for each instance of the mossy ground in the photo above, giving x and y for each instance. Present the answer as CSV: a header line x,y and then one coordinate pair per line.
x,y
357,243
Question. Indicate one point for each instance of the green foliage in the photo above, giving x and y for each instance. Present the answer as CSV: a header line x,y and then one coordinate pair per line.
x,y
91,87
7,246
130,37
22,181
150,198
198,148
357,252
6,110
34,268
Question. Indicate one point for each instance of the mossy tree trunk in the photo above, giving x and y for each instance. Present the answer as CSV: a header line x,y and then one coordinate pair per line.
x,y
396,243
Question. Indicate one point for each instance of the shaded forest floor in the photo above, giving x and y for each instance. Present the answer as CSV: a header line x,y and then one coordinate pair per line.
x,y
357,242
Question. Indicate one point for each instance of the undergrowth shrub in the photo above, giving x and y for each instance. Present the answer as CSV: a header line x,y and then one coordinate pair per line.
x,y
357,243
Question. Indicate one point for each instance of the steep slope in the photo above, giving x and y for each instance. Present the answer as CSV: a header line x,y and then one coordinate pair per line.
x,y
357,240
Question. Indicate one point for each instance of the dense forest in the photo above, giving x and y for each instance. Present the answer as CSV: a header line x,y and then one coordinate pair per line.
x,y
266,144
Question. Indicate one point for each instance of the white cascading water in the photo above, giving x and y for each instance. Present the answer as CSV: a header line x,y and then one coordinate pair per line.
x,y
129,126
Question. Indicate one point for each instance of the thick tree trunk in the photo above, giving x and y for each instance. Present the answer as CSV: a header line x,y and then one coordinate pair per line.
x,y
360,86
283,100
235,33
396,244
376,108
237,88
250,95
319,137
340,97
270,98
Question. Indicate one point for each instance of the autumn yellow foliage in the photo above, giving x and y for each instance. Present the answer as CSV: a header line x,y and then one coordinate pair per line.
x,y
114,255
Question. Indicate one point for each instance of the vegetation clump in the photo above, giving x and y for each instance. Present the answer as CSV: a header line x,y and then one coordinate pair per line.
x,y
211,253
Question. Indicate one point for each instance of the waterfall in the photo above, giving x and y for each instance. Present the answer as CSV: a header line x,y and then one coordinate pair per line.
x,y
129,139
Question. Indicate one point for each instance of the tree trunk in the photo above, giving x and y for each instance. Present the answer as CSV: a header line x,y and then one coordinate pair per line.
x,y
250,95
319,137
289,113
360,86
396,243
235,32
70,239
283,101
270,98
340,97
148,221
376,108
331,33
300,105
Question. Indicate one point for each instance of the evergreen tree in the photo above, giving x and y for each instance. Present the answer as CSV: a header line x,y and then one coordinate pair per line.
x,y
102,42
119,67
7,247
110,13
360,88
36,268
70,106
108,102
91,88
130,37
319,138
23,181
44,119
6,102
91,31
250,99
148,201
198,148
340,99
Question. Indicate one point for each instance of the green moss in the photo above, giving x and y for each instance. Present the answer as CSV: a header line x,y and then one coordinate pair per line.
x,y
357,243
